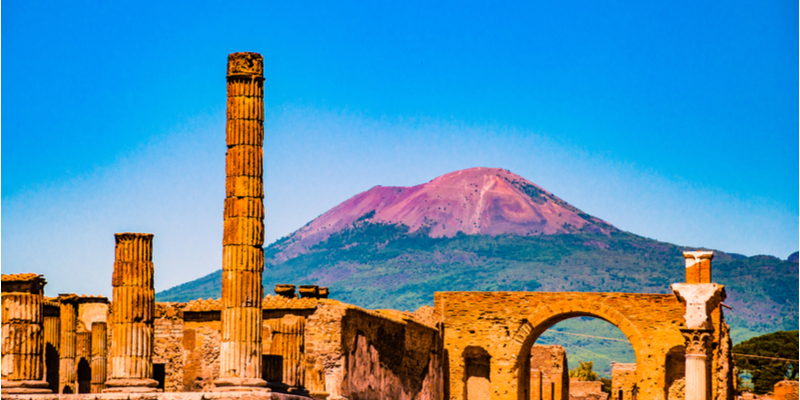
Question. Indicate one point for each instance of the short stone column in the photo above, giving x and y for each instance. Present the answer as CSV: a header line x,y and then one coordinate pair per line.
x,y
287,344
52,341
67,368
23,334
99,339
243,236
133,310
700,300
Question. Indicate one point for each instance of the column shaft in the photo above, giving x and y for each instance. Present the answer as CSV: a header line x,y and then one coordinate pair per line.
x,y
52,342
243,236
133,308
287,343
67,369
23,336
99,339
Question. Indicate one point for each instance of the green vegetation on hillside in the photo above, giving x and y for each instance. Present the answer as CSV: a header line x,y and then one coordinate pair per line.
x,y
767,371
377,265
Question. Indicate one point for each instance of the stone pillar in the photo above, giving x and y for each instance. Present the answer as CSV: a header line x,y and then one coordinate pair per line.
x,y
52,341
99,339
67,369
697,348
133,310
243,236
287,343
700,300
23,335
698,266
83,361
536,384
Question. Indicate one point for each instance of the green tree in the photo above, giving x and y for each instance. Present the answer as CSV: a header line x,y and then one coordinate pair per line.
x,y
583,372
768,371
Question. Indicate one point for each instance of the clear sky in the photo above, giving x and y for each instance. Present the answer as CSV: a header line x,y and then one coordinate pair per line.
x,y
673,120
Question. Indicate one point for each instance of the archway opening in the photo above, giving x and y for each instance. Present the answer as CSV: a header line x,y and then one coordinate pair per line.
x,y
576,355
84,376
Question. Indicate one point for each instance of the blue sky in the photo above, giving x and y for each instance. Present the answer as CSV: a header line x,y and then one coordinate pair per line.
x,y
675,121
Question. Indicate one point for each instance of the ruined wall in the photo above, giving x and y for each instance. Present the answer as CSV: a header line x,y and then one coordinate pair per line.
x,y
373,354
623,381
786,390
553,371
506,324
586,390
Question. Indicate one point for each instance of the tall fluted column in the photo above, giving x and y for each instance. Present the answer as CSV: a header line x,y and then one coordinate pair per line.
x,y
243,237
133,310
23,335
99,339
67,369
52,341
287,342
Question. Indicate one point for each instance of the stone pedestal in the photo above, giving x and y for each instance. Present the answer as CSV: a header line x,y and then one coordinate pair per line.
x,y
243,236
700,300
133,310
23,334
67,368
99,339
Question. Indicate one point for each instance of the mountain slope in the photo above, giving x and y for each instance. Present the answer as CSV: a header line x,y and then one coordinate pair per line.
x,y
486,201
376,260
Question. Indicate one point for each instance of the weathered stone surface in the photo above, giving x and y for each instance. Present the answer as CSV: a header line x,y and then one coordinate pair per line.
x,y
23,334
243,234
130,361
698,266
786,390
68,378
506,324
623,381
700,300
550,373
99,354
586,390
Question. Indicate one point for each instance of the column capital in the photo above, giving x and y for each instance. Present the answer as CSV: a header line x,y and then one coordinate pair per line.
x,y
700,299
697,341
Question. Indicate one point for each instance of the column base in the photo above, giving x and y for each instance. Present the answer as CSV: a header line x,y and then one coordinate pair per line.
x,y
284,388
131,386
25,387
240,385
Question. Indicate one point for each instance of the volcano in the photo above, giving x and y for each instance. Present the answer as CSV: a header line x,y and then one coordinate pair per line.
x,y
474,201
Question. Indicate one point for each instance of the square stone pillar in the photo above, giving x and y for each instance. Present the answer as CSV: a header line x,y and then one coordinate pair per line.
x,y
23,334
698,266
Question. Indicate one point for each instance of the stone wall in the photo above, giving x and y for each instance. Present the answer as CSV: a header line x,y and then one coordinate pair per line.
x,y
506,324
363,354
586,390
549,373
623,381
786,390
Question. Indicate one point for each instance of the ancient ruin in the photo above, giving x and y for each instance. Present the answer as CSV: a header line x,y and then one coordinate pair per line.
x,y
133,309
301,343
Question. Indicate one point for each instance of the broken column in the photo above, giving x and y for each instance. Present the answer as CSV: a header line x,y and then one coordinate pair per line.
x,y
23,334
67,368
99,338
701,297
243,237
287,344
133,309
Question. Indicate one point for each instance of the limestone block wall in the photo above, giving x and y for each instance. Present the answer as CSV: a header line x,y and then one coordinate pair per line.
x,y
549,367
623,381
506,324
373,355
586,390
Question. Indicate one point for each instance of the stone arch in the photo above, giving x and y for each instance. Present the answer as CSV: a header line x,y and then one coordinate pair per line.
x,y
477,373
550,314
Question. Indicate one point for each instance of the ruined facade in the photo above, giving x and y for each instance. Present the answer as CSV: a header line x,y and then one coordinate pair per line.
x,y
300,344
